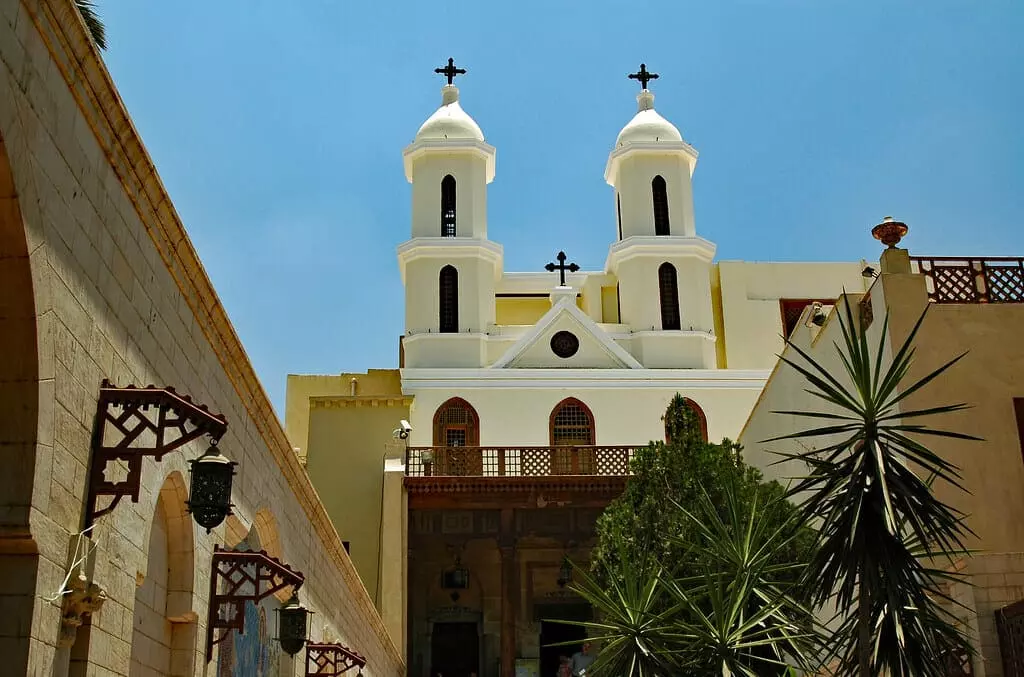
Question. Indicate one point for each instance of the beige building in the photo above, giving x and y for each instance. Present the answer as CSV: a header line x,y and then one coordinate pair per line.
x,y
103,569
974,306
524,394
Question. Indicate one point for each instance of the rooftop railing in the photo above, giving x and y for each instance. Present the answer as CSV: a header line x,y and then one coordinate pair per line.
x,y
518,461
970,280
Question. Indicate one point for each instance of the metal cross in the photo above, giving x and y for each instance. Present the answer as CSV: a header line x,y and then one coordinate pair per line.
x,y
450,71
561,268
643,76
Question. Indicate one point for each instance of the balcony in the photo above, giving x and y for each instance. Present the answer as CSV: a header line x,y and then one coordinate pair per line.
x,y
518,461
967,280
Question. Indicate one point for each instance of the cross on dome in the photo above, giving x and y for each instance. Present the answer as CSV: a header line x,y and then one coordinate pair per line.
x,y
561,267
450,71
643,75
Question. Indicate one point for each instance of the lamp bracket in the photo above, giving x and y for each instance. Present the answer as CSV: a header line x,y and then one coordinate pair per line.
x,y
331,660
144,422
247,577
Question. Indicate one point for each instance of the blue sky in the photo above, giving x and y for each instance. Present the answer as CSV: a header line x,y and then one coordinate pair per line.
x,y
278,129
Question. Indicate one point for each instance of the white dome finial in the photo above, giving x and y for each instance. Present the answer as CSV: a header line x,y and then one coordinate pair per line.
x,y
449,94
644,101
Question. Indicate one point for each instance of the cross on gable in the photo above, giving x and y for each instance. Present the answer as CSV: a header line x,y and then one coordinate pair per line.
x,y
643,76
561,267
450,71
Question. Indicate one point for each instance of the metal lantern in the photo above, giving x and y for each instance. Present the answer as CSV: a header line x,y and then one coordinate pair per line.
x,y
291,625
210,497
565,573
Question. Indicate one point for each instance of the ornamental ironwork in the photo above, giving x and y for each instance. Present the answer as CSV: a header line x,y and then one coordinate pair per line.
x,y
331,660
238,577
133,423
1010,628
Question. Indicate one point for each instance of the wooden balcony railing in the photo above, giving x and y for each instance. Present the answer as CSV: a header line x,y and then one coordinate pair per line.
x,y
517,461
965,280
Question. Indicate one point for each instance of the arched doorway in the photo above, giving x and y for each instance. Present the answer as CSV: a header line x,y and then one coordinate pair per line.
x,y
163,622
19,417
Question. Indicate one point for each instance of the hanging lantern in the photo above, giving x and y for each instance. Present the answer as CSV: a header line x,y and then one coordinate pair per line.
x,y
210,496
291,625
565,573
456,578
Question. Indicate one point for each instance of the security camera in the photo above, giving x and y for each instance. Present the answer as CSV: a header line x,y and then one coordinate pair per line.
x,y
403,430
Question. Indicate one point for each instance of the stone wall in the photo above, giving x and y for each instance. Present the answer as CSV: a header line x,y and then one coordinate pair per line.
x,y
100,281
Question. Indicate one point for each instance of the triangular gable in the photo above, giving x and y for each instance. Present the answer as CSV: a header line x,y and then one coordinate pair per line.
x,y
596,349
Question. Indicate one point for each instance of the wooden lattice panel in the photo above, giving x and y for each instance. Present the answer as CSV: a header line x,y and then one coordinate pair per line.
x,y
535,462
954,284
1010,627
1005,284
614,461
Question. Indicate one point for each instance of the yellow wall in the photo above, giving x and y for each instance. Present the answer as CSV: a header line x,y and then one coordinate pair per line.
x,y
347,438
521,310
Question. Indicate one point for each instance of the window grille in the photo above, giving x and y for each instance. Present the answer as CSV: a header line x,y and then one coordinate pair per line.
x,y
572,425
448,206
449,300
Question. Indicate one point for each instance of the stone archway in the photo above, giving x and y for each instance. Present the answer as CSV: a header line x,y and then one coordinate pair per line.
x,y
19,412
163,623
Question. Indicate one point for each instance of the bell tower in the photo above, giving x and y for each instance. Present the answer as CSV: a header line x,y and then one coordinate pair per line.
x,y
449,267
663,267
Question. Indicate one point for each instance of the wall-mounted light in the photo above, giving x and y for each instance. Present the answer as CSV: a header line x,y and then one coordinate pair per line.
x,y
818,316
869,272
134,423
210,495
293,625
565,572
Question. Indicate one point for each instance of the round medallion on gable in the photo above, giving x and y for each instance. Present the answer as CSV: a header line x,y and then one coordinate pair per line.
x,y
565,344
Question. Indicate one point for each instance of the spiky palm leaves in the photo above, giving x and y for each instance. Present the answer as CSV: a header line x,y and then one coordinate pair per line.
x,y
739,618
92,21
881,527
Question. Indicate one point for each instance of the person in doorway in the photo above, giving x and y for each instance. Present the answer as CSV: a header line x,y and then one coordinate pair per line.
x,y
582,660
564,667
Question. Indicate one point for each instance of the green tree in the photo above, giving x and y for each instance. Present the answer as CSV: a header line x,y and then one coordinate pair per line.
x,y
885,540
87,9
737,617
647,524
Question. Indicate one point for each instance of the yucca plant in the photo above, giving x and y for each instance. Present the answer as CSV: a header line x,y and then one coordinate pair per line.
x,y
92,21
744,616
884,537
737,619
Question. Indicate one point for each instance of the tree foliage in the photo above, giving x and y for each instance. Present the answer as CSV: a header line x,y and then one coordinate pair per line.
x,y
87,8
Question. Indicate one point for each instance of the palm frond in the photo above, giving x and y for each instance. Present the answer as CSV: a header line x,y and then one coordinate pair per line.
x,y
97,30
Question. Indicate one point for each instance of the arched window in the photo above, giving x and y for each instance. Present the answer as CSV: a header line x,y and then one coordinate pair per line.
x,y
660,194
448,206
456,424
701,420
618,212
571,424
449,299
668,287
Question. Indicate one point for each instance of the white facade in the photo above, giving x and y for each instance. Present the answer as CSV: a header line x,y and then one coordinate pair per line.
x,y
661,318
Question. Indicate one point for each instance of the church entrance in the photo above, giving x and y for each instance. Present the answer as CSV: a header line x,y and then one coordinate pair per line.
x,y
455,650
552,633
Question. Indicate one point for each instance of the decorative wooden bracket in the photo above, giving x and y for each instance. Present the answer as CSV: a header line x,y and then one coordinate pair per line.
x,y
247,577
174,422
331,660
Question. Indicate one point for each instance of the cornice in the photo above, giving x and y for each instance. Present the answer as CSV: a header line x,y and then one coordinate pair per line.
x,y
659,247
417,379
347,401
77,59
447,248
653,148
479,148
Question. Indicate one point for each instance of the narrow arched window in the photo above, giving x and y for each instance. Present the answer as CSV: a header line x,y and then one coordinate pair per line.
x,y
695,423
456,424
448,307
660,195
668,288
618,212
571,424
448,206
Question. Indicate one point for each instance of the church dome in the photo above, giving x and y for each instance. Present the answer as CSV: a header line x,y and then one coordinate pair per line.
x,y
647,126
450,122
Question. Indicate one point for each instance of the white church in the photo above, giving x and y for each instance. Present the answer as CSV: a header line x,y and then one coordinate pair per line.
x,y
462,479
